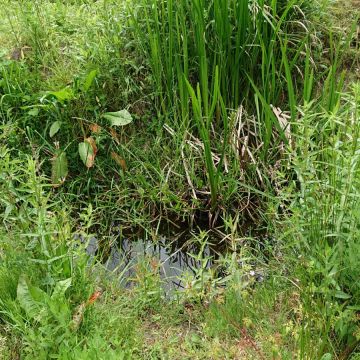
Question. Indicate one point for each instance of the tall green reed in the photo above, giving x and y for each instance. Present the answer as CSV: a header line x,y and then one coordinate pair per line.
x,y
217,55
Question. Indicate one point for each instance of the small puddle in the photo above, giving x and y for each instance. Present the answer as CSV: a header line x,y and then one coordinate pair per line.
x,y
174,262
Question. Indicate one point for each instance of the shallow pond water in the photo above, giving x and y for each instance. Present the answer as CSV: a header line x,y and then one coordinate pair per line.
x,y
174,262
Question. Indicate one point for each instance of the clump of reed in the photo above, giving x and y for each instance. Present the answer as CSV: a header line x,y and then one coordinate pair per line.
x,y
208,58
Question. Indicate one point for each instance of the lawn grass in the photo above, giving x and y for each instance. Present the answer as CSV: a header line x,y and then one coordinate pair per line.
x,y
232,122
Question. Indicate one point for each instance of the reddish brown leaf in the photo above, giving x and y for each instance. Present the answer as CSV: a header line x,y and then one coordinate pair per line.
x,y
114,135
95,128
87,154
94,297
154,263
92,142
80,310
87,151
119,160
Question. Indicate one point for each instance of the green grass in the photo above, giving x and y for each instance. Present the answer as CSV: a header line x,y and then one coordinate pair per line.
x,y
241,130
245,56
46,283
218,56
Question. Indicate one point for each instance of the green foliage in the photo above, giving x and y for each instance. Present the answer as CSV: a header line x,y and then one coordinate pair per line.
x,y
87,153
55,127
242,122
219,55
329,207
118,118
59,169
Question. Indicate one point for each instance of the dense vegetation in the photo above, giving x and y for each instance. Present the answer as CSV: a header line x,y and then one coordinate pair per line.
x,y
229,124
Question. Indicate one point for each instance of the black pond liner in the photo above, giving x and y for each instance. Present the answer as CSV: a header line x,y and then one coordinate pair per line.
x,y
174,263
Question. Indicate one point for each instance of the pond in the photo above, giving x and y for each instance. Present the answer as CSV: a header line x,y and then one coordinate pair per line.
x,y
174,262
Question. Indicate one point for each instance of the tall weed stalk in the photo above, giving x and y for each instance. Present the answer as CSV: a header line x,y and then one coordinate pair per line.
x,y
327,163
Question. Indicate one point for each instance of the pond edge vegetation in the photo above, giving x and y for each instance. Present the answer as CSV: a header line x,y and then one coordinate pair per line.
x,y
234,119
